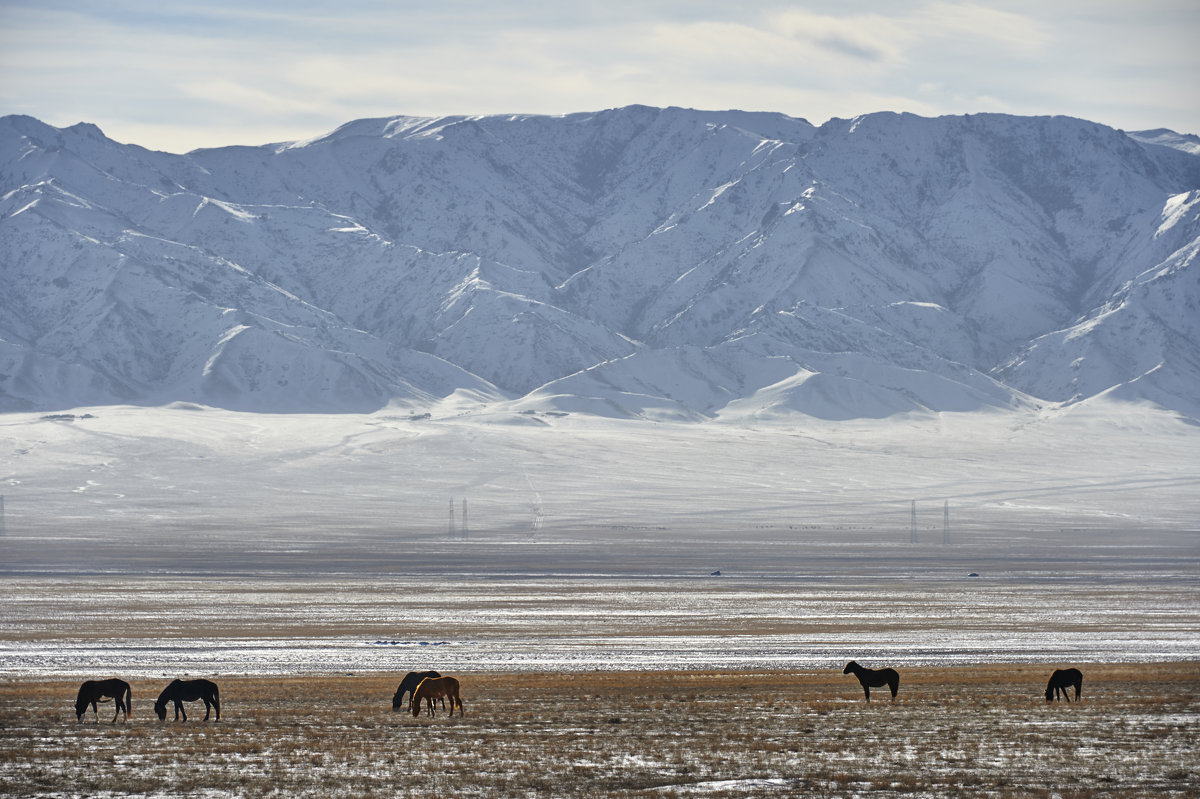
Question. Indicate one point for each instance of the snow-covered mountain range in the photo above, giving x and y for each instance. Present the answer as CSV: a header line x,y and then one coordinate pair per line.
x,y
659,263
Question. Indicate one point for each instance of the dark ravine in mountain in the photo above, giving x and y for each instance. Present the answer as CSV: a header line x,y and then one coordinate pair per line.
x,y
664,263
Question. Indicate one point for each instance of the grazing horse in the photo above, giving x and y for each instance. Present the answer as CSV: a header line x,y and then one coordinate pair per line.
x,y
94,691
180,691
432,688
408,684
874,678
1060,681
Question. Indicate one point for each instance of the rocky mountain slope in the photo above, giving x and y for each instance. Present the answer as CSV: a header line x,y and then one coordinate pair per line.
x,y
665,263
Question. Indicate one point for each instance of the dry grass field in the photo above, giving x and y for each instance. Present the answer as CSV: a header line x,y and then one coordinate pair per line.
x,y
980,731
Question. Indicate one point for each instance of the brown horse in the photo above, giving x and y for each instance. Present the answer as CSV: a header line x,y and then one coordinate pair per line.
x,y
411,681
94,691
874,678
432,688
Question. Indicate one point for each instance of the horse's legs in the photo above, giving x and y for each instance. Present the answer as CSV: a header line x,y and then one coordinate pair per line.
x,y
179,708
867,691
207,707
895,686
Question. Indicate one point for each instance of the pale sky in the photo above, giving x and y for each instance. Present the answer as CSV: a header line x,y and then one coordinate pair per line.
x,y
180,74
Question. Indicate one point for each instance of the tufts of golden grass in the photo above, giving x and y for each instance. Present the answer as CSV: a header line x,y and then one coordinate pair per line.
x,y
980,731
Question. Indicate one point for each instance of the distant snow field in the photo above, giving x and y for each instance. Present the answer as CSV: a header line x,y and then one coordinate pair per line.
x,y
241,543
160,627
192,482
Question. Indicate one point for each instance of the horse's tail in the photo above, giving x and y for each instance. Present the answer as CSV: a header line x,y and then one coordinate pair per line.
x,y
128,701
217,700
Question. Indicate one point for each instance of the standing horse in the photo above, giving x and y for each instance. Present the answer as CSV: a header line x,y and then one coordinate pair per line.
x,y
874,678
432,688
1060,681
180,691
94,691
408,684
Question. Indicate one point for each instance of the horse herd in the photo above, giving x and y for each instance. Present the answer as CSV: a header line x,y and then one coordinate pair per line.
x,y
1060,681
431,686
179,691
428,686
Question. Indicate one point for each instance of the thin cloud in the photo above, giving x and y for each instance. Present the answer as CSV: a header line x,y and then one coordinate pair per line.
x,y
874,38
851,48
974,24
194,74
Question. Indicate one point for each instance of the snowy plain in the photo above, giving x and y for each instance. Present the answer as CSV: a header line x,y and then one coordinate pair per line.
x,y
151,541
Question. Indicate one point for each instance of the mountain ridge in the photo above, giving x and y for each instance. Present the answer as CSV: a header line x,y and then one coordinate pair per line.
x,y
658,263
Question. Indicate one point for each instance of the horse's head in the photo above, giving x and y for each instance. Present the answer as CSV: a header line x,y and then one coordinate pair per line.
x,y
851,666
1050,692
396,703
82,701
160,709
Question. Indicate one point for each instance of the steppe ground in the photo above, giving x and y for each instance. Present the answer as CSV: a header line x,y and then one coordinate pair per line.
x,y
977,731
1082,524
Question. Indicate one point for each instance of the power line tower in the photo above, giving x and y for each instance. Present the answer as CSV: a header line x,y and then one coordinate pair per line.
x,y
946,524
450,530
465,528
912,528
539,517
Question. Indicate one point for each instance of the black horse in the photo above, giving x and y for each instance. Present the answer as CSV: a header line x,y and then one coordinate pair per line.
x,y
94,691
180,691
409,684
874,678
1060,681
